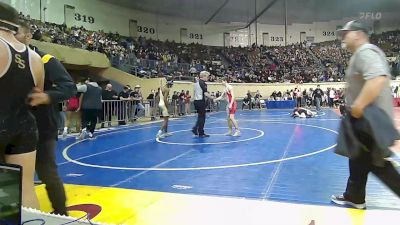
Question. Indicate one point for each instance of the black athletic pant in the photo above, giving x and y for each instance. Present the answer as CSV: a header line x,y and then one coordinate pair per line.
x,y
46,169
330,102
89,119
298,102
200,107
360,167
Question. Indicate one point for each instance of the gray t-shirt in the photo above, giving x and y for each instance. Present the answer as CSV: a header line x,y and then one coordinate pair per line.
x,y
366,63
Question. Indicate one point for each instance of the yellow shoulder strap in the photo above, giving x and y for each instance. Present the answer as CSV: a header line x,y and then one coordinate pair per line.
x,y
46,58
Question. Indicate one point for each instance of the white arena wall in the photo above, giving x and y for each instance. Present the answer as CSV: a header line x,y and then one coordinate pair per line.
x,y
109,17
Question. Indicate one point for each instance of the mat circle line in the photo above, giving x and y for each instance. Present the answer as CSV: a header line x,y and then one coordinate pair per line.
x,y
66,156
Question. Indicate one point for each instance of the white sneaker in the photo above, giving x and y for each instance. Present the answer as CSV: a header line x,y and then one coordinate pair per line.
x,y
90,134
82,135
236,134
64,134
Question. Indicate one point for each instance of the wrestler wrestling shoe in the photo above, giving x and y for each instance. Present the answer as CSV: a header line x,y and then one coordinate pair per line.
x,y
236,134
229,133
159,134
167,134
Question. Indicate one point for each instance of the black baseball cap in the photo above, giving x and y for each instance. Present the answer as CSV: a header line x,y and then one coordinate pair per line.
x,y
9,18
353,26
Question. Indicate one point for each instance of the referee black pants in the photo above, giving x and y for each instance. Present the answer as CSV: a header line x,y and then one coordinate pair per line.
x,y
47,171
200,107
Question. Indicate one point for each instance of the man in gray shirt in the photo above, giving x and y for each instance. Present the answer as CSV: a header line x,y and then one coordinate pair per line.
x,y
368,83
91,106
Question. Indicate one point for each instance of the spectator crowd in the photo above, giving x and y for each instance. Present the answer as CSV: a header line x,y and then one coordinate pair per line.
x,y
295,63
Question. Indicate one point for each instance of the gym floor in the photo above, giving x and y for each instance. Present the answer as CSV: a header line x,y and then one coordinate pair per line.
x,y
279,171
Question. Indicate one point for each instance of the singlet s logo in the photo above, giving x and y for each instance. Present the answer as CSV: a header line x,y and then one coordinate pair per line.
x,y
19,61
